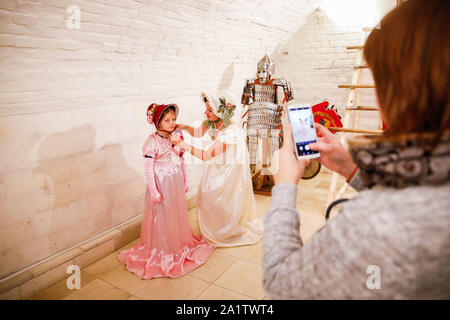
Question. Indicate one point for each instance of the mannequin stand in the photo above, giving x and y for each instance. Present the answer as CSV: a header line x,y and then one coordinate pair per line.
x,y
262,184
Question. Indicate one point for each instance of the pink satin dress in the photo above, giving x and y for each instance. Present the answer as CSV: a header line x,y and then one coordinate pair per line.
x,y
167,248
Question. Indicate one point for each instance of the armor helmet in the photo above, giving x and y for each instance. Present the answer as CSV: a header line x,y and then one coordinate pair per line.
x,y
265,69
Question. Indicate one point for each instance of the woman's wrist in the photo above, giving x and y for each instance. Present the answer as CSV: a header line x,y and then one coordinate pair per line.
x,y
285,180
349,171
183,145
180,144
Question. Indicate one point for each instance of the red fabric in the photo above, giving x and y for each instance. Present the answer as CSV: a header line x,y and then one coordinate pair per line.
x,y
158,112
352,174
159,109
325,116
268,83
285,96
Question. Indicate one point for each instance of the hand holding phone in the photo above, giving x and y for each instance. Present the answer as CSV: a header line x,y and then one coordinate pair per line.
x,y
286,168
303,130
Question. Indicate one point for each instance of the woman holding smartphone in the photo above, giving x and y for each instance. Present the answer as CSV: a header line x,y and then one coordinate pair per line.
x,y
391,241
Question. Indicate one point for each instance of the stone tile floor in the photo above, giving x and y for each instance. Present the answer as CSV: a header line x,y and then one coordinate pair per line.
x,y
230,273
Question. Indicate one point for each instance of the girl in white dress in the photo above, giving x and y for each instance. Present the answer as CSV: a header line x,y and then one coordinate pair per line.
x,y
226,205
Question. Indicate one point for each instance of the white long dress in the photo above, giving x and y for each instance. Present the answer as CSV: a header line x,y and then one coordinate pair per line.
x,y
226,204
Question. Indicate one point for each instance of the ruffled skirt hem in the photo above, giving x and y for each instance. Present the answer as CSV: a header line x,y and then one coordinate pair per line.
x,y
153,263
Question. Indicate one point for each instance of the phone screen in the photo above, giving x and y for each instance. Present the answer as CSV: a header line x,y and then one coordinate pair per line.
x,y
303,130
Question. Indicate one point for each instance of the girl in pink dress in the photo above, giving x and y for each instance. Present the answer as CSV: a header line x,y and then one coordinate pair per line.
x,y
167,248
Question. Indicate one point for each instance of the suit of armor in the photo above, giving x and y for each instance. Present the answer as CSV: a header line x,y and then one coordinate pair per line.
x,y
261,95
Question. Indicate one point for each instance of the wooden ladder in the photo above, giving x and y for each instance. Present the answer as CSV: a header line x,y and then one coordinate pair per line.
x,y
352,107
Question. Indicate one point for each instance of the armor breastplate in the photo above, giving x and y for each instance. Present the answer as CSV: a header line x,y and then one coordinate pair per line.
x,y
264,93
264,113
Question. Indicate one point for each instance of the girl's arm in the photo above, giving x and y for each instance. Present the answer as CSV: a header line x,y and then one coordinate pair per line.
x,y
218,148
195,132
150,176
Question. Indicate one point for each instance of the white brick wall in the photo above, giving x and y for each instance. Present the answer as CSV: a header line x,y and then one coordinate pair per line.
x,y
72,102
316,61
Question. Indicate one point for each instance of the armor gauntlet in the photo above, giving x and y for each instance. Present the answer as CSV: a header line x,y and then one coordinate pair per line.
x,y
288,91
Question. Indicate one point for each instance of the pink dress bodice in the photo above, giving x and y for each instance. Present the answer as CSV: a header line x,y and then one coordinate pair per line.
x,y
160,148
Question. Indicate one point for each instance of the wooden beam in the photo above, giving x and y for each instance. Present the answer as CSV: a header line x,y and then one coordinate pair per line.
x,y
352,100
260,182
362,108
355,47
355,86
355,130
362,66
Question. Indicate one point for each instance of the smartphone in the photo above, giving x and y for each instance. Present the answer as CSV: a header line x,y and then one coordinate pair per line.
x,y
303,130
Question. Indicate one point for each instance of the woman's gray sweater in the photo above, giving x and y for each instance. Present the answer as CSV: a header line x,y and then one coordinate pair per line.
x,y
386,243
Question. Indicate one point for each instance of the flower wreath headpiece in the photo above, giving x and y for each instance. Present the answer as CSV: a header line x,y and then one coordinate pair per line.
x,y
152,109
227,110
221,108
